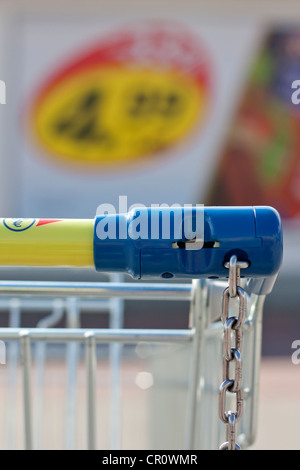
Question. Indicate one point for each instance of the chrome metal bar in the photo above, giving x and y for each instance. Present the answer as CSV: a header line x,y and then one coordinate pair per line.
x,y
72,356
97,290
253,327
198,320
13,358
127,336
40,360
24,337
91,368
116,319
36,303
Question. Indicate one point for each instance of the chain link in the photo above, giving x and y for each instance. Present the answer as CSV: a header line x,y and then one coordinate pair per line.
x,y
232,357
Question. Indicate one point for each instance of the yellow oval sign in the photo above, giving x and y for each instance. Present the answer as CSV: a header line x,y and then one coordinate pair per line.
x,y
106,110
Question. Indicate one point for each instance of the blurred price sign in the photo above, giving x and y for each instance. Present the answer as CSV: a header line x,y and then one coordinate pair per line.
x,y
135,93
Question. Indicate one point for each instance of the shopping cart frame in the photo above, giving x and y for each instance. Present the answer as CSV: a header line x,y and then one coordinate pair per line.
x,y
203,322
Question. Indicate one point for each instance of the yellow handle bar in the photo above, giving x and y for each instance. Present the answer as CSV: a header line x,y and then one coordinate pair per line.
x,y
46,242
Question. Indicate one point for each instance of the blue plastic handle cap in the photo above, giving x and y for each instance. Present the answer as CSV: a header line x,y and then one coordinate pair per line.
x,y
167,242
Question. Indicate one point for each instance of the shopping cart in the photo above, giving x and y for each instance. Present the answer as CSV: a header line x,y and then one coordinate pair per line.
x,y
206,375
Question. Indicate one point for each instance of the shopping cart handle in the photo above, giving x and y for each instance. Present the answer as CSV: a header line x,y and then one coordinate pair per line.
x,y
153,243
254,234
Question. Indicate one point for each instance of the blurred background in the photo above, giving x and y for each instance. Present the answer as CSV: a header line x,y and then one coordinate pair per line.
x,y
163,102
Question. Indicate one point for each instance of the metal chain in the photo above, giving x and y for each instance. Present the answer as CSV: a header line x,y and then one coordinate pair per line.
x,y
233,333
